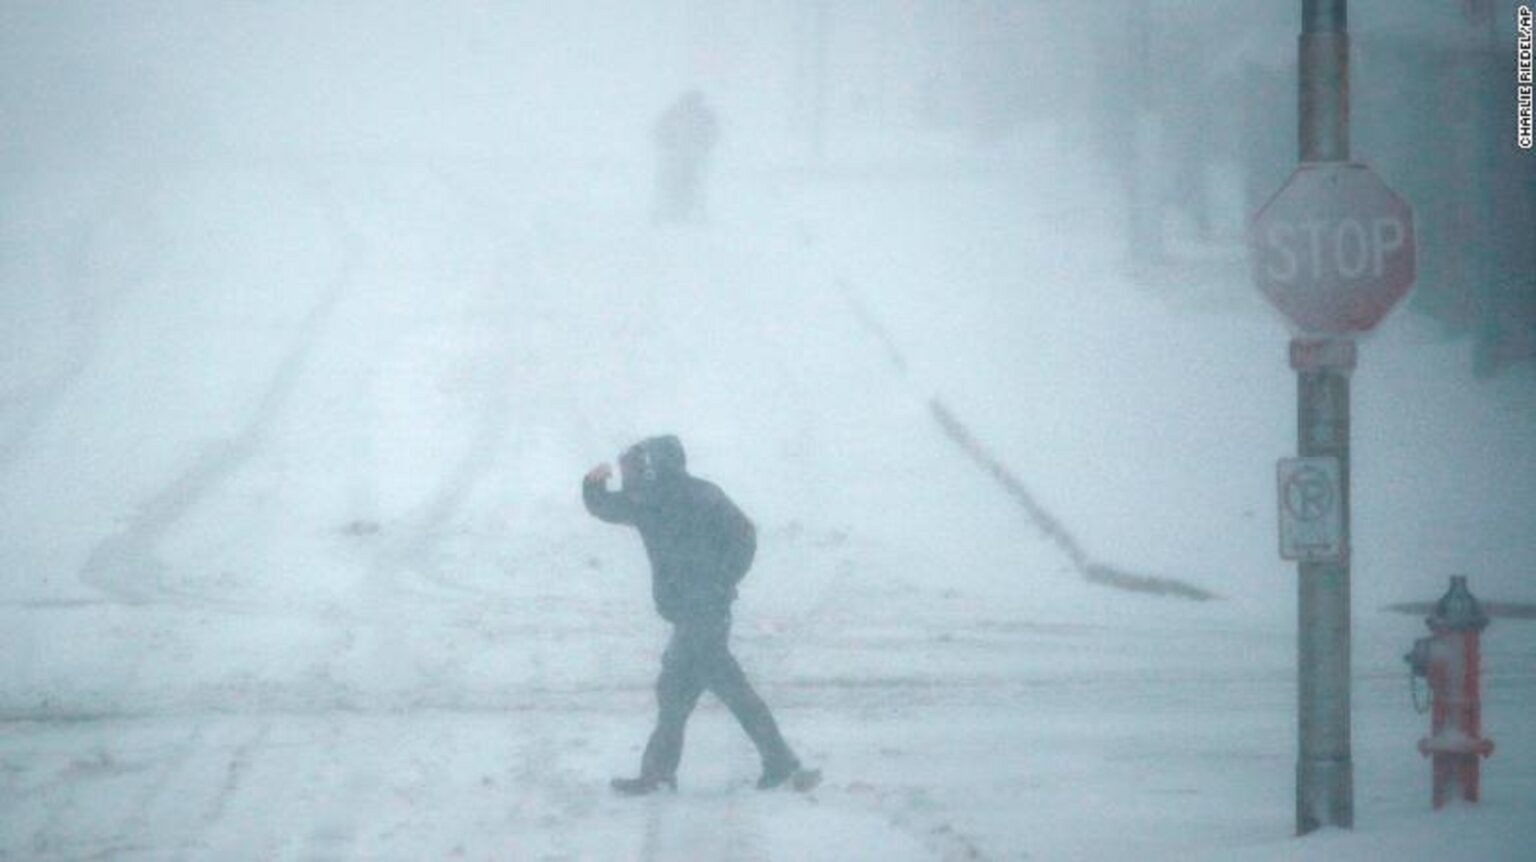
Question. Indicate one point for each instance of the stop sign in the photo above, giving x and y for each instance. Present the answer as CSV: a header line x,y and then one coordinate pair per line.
x,y
1334,248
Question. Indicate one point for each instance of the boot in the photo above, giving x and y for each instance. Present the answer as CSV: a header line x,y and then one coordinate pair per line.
x,y
776,774
641,786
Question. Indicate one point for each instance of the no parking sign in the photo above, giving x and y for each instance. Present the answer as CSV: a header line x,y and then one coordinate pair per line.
x,y
1311,509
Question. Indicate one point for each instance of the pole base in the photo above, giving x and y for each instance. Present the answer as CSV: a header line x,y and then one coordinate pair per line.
x,y
1325,794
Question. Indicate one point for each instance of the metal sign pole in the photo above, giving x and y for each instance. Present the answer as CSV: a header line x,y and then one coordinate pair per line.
x,y
1324,765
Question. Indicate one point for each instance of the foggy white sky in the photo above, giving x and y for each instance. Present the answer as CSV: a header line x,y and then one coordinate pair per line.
x,y
151,80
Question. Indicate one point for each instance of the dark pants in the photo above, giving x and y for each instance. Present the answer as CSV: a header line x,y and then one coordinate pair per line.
x,y
679,189
698,658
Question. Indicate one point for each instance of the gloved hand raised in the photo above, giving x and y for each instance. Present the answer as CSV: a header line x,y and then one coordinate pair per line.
x,y
600,473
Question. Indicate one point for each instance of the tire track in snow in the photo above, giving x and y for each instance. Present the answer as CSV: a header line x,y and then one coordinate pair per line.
x,y
959,434
1050,526
414,551
125,566
326,791
135,826
410,563
60,835
240,762
87,315
916,815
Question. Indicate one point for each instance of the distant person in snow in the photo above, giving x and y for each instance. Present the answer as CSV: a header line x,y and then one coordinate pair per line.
x,y
685,135
700,546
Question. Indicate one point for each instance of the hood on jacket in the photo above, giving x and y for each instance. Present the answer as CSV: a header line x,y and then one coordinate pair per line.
x,y
653,461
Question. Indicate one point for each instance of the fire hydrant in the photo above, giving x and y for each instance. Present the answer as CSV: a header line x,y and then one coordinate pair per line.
x,y
1450,659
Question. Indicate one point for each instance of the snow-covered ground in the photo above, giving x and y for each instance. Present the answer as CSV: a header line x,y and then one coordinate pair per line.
x,y
294,564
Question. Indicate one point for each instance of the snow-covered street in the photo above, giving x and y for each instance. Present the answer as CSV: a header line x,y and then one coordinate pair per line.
x,y
342,602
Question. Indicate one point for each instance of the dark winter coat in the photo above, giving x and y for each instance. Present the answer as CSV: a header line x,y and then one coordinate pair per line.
x,y
687,130
700,545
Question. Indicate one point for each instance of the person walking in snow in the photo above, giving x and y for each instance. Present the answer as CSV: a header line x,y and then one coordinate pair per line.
x,y
685,135
700,546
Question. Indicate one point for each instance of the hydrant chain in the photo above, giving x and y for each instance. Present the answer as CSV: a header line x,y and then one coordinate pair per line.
x,y
1420,703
